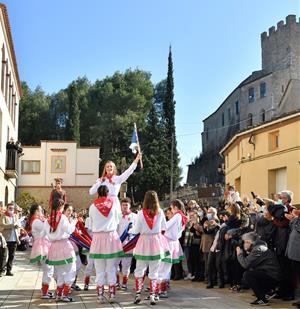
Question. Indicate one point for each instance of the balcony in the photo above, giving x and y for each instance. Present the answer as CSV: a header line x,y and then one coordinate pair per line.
x,y
11,166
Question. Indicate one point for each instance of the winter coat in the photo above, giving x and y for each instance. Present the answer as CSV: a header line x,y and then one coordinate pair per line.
x,y
261,259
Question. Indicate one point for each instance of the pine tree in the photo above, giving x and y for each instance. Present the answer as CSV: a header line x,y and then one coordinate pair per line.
x,y
73,125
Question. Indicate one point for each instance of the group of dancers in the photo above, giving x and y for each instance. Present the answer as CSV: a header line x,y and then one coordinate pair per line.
x,y
116,235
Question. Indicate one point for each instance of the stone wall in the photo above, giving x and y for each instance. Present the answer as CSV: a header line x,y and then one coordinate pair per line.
x,y
78,196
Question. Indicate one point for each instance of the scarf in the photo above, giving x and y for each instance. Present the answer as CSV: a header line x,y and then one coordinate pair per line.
x,y
150,218
124,214
8,214
34,217
109,178
104,205
184,218
54,223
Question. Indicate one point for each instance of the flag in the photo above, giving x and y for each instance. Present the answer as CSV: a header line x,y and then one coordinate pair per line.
x,y
134,141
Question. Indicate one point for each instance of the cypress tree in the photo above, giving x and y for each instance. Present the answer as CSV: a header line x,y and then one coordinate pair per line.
x,y
73,126
169,121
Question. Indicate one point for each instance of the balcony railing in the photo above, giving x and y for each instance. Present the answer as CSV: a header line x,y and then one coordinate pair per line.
x,y
11,166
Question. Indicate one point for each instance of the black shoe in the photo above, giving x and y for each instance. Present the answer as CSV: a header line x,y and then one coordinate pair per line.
x,y
288,298
9,273
260,302
209,286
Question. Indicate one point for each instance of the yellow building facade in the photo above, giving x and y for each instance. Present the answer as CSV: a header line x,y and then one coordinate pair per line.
x,y
265,159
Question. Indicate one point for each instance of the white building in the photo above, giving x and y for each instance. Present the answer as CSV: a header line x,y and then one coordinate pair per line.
x,y
10,95
78,167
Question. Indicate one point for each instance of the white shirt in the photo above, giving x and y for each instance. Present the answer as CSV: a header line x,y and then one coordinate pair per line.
x,y
114,188
100,223
13,235
64,229
174,227
142,227
37,229
124,221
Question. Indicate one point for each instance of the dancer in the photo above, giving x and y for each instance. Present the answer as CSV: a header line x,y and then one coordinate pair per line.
x,y
106,246
175,227
69,213
151,247
126,222
112,181
61,253
90,262
40,247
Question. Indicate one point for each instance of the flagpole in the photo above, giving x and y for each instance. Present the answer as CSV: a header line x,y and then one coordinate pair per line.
x,y
138,145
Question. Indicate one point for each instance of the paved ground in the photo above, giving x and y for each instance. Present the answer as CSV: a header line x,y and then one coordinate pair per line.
x,y
23,291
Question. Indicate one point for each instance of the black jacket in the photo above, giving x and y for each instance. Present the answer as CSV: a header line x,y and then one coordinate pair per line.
x,y
261,259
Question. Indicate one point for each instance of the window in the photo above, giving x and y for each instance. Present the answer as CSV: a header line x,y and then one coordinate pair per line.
x,y
263,115
273,141
229,114
251,96
31,167
263,90
3,69
250,120
223,119
237,107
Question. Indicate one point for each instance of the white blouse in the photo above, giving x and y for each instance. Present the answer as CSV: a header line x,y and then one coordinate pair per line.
x,y
100,223
64,229
174,227
124,221
37,229
114,188
142,227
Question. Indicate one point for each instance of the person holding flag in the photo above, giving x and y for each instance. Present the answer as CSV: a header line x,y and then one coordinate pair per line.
x,y
111,180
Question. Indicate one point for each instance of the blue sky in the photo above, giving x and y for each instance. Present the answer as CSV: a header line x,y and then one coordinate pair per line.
x,y
215,44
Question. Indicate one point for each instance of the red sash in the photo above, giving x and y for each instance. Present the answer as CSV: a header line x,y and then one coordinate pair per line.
x,y
150,218
104,205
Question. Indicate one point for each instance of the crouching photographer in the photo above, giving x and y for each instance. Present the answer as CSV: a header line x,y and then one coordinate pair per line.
x,y
262,269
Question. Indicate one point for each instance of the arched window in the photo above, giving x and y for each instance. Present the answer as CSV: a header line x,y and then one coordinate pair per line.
x,y
250,120
3,69
263,115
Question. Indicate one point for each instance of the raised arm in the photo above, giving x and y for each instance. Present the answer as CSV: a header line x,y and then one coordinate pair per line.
x,y
123,177
95,186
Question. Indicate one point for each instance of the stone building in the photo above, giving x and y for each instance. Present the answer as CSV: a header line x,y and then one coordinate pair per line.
x,y
266,94
77,166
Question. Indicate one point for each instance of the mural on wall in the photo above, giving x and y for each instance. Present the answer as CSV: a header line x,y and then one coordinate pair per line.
x,y
58,164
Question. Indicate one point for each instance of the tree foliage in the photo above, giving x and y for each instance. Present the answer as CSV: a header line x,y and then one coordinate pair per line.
x,y
102,114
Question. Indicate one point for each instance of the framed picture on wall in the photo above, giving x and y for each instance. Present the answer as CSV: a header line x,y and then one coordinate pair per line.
x,y
58,164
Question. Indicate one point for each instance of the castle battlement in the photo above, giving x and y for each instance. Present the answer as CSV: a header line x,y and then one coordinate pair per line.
x,y
290,22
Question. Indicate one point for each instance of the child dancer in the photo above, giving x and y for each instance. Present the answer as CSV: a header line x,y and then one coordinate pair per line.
x,y
68,212
90,262
106,246
112,181
175,227
151,247
61,253
126,222
40,247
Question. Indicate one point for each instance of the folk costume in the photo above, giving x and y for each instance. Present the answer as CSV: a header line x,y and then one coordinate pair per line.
x,y
106,246
61,253
39,253
150,249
